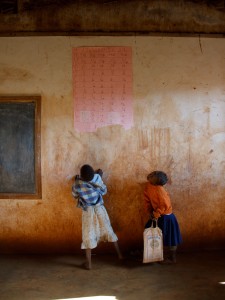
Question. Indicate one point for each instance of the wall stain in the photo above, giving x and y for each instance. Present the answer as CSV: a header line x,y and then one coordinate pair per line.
x,y
16,74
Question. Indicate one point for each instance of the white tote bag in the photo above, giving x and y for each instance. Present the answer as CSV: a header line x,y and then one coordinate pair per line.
x,y
153,244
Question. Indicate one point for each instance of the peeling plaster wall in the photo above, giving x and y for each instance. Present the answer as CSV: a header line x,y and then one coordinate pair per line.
x,y
179,127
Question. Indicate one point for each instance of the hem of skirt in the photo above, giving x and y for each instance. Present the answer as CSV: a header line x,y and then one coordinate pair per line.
x,y
172,244
95,243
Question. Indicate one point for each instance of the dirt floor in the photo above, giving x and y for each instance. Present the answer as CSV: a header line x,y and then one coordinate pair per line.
x,y
196,276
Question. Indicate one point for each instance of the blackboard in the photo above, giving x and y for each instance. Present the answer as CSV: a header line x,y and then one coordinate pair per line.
x,y
20,175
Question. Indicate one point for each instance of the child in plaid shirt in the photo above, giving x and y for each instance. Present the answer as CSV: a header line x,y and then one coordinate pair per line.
x,y
88,189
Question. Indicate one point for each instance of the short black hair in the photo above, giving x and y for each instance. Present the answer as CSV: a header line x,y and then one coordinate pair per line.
x,y
157,178
87,173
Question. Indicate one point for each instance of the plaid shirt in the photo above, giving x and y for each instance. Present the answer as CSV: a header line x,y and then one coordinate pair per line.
x,y
89,193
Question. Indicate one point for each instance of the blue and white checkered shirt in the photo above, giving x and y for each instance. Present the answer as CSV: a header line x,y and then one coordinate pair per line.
x,y
89,193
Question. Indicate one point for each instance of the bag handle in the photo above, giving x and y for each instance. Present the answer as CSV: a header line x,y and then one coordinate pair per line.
x,y
156,223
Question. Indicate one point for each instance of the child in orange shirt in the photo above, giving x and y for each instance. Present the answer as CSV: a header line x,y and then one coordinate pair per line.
x,y
158,205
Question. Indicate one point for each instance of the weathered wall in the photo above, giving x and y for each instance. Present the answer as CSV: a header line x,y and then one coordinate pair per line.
x,y
179,127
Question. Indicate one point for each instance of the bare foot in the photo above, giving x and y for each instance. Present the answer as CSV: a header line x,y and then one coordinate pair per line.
x,y
86,266
167,262
121,257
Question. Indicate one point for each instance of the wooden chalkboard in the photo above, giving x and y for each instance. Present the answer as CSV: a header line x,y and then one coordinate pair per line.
x,y
20,175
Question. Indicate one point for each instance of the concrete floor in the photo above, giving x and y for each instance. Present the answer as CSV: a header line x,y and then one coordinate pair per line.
x,y
196,276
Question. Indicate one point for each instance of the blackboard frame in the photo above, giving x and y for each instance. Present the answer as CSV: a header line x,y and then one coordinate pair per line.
x,y
36,101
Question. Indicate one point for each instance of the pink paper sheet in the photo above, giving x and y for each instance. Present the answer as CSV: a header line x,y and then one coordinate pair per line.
x,y
102,87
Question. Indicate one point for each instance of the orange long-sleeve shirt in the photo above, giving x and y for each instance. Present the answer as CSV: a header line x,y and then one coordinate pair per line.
x,y
157,200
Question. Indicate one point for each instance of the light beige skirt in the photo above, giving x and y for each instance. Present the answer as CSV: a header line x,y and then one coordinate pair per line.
x,y
96,227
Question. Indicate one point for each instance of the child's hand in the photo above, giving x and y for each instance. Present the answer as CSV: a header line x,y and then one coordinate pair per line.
x,y
77,177
153,217
99,171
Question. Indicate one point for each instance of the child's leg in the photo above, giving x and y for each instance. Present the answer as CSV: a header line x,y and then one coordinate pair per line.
x,y
169,253
118,250
88,259
173,250
166,252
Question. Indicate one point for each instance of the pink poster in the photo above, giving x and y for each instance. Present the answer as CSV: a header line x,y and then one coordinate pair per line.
x,y
102,87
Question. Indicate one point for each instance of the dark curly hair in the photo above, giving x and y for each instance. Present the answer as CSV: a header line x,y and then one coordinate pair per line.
x,y
87,173
157,178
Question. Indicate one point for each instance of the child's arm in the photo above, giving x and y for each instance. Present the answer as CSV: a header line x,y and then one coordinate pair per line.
x,y
147,203
74,190
99,185
164,205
